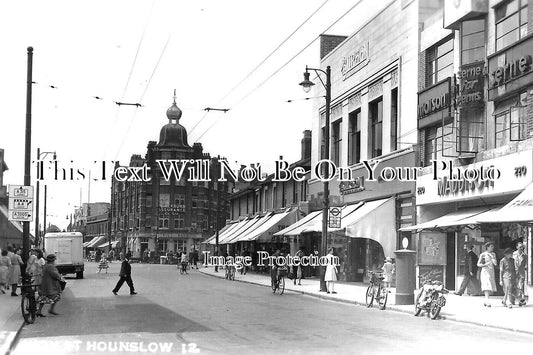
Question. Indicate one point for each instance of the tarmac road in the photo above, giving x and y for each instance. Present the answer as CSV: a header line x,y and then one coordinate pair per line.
x,y
195,313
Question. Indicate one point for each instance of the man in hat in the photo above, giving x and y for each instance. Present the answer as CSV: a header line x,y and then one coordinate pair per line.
x,y
125,276
471,269
520,262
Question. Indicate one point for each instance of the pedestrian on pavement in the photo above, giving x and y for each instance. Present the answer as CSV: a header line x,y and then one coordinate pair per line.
x,y
487,261
331,272
520,261
508,278
145,255
14,274
39,265
50,292
300,253
195,258
470,272
31,267
388,271
5,266
111,255
125,276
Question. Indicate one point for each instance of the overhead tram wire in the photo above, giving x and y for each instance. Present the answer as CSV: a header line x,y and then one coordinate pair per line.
x,y
263,61
142,96
290,60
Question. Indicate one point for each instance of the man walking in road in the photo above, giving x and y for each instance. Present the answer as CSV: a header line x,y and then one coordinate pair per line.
x,y
125,276
470,270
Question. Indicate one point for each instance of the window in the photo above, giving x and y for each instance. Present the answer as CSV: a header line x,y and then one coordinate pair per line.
x,y
438,143
164,200
472,41
376,127
336,137
394,120
162,245
439,62
354,138
178,222
510,120
163,223
148,220
511,23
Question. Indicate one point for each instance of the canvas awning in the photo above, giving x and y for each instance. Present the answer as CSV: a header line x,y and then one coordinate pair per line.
x,y
520,209
234,228
95,241
106,244
225,228
374,220
267,229
463,217
252,226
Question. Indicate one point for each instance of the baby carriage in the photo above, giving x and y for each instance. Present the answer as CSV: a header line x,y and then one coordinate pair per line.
x,y
103,264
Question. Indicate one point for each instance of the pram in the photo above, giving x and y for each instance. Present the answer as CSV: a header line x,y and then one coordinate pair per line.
x,y
103,264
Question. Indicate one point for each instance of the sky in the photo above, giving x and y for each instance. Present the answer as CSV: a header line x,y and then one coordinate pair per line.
x,y
135,51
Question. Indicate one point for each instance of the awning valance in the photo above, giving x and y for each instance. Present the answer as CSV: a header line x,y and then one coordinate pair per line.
x,y
106,244
375,220
95,241
468,216
520,209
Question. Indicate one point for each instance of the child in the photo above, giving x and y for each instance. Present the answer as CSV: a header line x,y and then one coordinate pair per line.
x,y
388,270
103,264
508,277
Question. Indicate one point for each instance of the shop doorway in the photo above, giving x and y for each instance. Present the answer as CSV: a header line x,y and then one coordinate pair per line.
x,y
450,261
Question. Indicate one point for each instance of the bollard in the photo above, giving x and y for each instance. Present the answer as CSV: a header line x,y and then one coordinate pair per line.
x,y
405,276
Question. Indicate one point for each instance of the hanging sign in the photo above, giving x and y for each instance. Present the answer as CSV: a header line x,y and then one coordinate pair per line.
x,y
334,217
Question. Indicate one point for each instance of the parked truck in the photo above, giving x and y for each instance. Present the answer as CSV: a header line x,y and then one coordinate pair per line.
x,y
68,248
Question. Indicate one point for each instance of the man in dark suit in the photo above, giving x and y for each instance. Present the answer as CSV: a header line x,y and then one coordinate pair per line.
x,y
125,276
471,270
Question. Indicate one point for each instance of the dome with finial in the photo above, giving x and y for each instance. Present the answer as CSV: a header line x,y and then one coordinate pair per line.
x,y
173,134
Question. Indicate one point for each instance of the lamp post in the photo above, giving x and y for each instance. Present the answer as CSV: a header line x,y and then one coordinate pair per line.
x,y
306,85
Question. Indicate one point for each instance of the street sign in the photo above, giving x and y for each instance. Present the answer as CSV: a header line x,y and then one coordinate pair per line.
x,y
334,218
20,203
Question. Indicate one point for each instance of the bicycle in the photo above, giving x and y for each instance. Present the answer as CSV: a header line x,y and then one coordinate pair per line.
x,y
279,284
28,303
376,291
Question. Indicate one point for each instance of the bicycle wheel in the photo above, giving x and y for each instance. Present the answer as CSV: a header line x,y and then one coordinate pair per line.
x,y
383,298
417,303
281,285
181,270
28,308
369,296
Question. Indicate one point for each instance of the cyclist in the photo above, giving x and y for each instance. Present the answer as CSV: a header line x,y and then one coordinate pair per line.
x,y
275,270
184,261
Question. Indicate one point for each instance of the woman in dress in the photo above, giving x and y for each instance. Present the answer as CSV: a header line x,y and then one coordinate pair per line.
x,y
39,264
487,261
14,274
5,265
331,272
50,287
31,267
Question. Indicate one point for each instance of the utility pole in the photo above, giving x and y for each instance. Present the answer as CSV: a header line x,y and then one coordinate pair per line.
x,y
44,224
37,234
27,157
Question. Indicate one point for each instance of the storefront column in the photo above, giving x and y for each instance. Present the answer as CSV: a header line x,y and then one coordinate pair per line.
x,y
405,276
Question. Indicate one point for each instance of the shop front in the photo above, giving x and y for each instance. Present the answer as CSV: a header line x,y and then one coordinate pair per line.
x,y
458,207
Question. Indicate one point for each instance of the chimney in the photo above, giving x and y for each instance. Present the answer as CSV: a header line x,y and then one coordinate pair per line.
x,y
306,145
328,43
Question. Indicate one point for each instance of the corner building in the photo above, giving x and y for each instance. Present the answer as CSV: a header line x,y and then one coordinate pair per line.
x,y
474,112
373,117
161,215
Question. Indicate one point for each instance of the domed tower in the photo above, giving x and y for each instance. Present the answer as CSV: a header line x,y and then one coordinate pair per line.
x,y
173,135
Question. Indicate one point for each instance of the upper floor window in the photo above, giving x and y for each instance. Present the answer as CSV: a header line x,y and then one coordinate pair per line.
x,y
336,137
439,62
472,41
354,138
394,120
438,143
376,127
510,120
511,23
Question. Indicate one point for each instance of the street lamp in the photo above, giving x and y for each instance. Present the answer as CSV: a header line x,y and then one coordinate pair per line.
x,y
306,85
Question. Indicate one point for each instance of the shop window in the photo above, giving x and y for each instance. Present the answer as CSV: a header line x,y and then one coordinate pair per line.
x,y
376,127
510,120
394,120
162,245
439,62
511,22
336,137
472,41
438,143
354,137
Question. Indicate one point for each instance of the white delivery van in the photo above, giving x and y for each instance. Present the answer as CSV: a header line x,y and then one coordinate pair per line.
x,y
68,248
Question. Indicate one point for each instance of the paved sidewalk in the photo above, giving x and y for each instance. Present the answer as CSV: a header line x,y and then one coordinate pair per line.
x,y
464,309
10,320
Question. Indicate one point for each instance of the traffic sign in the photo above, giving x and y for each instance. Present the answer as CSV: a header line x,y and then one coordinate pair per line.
x,y
334,218
20,203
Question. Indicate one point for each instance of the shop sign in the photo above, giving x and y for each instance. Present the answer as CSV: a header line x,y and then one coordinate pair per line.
x,y
511,70
431,273
171,210
334,217
457,10
433,102
503,175
471,82
351,187
354,61
432,249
